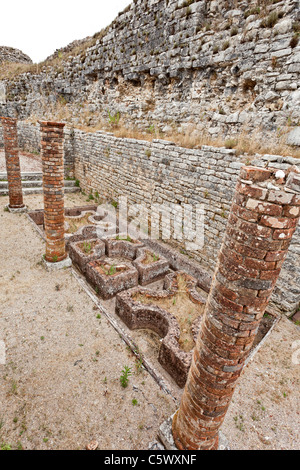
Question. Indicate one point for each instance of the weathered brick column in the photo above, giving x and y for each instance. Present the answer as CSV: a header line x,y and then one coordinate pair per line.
x,y
52,138
11,148
263,218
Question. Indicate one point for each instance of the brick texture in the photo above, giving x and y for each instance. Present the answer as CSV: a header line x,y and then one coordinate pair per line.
x,y
262,221
12,162
52,139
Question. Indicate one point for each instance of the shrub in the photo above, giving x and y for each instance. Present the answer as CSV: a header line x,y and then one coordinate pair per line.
x,y
230,143
270,21
294,41
248,85
296,26
234,31
253,11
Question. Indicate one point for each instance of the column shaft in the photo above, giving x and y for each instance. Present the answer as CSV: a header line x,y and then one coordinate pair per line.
x,y
12,160
52,150
263,218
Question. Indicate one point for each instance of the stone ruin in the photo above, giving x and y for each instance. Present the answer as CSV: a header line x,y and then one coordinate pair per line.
x,y
207,354
263,217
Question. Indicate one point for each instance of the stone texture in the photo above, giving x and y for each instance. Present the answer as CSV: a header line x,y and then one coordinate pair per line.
x,y
169,62
9,54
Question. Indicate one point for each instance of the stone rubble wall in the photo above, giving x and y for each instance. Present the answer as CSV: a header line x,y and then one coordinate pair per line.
x,y
9,54
162,173
225,67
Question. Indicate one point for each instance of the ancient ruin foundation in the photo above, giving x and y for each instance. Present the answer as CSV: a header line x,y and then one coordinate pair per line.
x,y
12,163
263,218
52,138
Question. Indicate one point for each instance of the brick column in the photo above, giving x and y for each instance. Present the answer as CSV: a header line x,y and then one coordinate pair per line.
x,y
11,148
52,138
263,218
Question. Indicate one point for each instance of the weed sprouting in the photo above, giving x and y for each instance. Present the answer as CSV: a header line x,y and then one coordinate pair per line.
x,y
124,379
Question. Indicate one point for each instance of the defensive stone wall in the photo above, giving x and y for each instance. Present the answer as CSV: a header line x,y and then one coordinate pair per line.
x,y
226,68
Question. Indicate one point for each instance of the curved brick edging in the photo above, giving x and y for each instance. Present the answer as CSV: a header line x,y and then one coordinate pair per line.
x,y
87,231
137,315
78,217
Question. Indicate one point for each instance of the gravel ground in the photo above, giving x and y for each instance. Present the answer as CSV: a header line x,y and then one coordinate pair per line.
x,y
28,162
60,387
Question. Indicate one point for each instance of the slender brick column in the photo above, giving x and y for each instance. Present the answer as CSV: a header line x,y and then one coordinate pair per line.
x,y
11,148
52,138
263,218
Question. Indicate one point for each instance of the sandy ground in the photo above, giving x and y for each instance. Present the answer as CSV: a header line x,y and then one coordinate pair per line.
x,y
60,387
28,162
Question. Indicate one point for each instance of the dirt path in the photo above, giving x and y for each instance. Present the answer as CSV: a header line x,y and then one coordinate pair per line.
x,y
60,387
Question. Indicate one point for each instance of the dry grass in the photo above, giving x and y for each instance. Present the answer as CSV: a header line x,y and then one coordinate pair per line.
x,y
182,307
11,70
244,143
75,223
150,258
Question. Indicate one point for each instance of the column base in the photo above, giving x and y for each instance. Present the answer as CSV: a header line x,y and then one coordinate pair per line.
x,y
16,210
65,263
166,436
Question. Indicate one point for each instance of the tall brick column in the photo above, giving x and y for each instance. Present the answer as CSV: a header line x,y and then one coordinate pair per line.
x,y
11,148
263,218
52,139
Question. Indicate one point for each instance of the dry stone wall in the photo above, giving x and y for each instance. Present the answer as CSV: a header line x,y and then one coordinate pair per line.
x,y
160,172
224,67
9,54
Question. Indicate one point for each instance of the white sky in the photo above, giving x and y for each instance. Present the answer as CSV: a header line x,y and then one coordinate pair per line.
x,y
38,27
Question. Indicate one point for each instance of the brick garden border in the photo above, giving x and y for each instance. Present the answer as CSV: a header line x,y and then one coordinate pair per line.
x,y
137,315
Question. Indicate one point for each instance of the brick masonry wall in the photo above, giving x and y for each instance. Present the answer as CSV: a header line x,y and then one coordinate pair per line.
x,y
160,172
